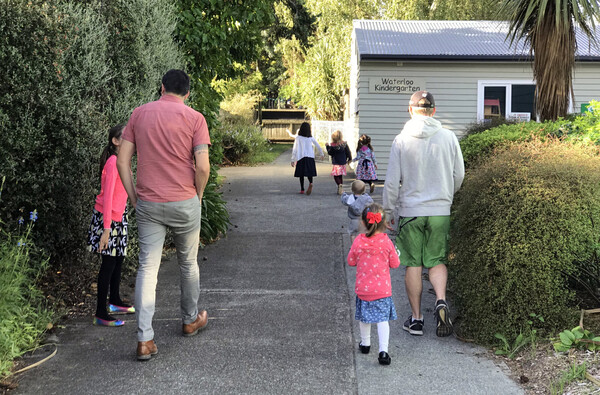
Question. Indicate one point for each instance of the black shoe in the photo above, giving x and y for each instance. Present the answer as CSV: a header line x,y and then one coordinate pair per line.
x,y
364,349
442,315
384,358
414,327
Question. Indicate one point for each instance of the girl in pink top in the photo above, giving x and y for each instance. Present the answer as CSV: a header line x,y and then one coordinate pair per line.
x,y
107,235
374,255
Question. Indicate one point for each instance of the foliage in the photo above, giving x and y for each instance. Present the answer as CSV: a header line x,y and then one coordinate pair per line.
x,y
583,129
577,338
511,350
548,27
24,315
525,218
240,141
318,73
215,218
240,107
480,145
523,338
574,373
478,127
213,35
71,70
272,152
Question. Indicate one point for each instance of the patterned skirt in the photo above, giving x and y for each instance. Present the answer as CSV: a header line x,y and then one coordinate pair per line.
x,y
365,170
117,242
379,310
338,170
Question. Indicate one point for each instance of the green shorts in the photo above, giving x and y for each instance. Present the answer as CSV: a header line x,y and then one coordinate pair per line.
x,y
423,241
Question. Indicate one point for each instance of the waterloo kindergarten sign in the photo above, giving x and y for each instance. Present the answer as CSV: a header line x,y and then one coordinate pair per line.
x,y
397,85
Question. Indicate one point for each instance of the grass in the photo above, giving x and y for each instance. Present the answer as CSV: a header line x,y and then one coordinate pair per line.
x,y
269,155
24,316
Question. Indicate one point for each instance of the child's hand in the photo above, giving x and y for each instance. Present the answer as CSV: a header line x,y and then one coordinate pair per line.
x,y
104,239
389,224
293,164
375,167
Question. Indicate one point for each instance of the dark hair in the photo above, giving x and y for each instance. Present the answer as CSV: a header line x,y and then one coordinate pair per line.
x,y
177,82
305,130
372,228
364,140
110,148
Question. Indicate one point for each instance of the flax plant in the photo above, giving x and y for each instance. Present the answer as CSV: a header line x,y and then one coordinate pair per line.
x,y
549,28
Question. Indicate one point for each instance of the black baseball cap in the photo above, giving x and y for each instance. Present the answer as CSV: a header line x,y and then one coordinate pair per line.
x,y
422,99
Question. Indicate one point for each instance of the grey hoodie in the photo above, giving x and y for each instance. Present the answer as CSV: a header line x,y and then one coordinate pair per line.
x,y
424,171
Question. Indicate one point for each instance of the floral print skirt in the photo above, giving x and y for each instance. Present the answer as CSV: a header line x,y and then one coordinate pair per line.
x,y
365,170
371,312
117,242
338,170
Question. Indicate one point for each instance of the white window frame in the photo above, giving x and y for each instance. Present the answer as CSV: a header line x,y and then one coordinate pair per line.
x,y
482,84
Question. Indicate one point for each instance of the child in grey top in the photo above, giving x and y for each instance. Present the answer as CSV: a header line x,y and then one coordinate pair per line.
x,y
356,203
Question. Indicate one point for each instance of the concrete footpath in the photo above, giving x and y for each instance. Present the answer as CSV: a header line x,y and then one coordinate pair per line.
x,y
280,299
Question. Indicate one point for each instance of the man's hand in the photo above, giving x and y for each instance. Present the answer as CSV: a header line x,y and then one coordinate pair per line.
x,y
293,164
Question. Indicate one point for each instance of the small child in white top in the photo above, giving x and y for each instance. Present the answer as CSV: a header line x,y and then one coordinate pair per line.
x,y
356,202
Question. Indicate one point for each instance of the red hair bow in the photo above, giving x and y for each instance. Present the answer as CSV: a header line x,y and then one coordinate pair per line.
x,y
374,217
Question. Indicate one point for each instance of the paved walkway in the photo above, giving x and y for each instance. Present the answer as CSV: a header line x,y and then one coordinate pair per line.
x,y
280,300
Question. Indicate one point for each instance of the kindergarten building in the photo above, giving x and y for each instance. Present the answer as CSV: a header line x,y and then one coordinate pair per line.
x,y
469,66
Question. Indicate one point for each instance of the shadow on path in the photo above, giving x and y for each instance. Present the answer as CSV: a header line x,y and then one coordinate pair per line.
x,y
280,300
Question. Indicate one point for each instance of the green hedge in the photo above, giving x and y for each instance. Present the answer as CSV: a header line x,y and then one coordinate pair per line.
x,y
583,129
524,223
70,71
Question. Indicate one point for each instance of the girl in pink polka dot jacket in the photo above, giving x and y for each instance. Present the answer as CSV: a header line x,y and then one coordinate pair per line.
x,y
374,255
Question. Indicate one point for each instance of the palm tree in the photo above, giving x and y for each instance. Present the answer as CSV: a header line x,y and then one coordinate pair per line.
x,y
548,26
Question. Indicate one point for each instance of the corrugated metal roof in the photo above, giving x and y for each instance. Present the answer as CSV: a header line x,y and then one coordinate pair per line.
x,y
451,40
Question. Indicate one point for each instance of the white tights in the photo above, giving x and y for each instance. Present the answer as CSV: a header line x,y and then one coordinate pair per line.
x,y
383,333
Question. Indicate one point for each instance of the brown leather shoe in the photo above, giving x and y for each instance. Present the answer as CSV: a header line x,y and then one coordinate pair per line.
x,y
145,350
194,327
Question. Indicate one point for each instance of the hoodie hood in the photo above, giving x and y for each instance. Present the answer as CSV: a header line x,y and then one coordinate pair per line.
x,y
421,126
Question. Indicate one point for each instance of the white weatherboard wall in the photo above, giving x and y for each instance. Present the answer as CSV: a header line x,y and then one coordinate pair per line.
x,y
454,86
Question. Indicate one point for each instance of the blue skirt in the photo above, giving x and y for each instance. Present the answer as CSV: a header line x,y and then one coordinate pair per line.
x,y
379,310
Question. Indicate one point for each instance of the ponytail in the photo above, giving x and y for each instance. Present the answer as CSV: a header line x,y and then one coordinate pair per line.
x,y
110,148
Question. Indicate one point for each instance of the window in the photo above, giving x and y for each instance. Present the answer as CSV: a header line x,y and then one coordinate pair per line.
x,y
508,99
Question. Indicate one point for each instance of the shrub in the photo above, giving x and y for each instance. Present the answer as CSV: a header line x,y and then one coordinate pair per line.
x,y
481,144
524,220
70,71
240,140
478,127
582,129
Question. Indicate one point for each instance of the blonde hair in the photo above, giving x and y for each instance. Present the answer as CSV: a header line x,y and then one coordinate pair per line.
x,y
358,187
336,136
375,226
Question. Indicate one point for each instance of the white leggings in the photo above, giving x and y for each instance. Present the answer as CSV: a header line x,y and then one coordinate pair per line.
x,y
383,333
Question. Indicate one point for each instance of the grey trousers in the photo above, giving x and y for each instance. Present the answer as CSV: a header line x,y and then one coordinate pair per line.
x,y
183,218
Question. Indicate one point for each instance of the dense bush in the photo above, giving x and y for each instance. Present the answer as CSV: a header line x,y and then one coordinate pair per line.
x,y
482,144
70,71
525,223
583,129
239,141
478,127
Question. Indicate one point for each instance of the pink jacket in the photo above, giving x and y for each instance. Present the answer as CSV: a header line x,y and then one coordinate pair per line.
x,y
373,257
113,197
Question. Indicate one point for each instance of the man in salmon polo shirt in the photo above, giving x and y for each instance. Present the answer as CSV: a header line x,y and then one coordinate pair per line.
x,y
171,141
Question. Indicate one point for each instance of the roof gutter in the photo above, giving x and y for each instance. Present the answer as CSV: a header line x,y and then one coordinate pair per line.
x,y
478,58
